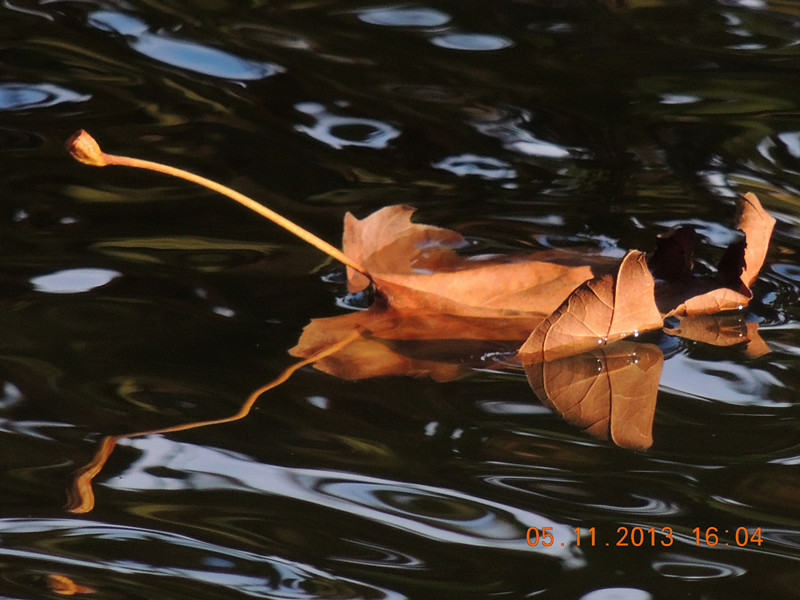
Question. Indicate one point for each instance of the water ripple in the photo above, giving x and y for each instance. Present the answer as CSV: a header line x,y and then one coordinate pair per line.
x,y
578,494
430,512
382,556
404,17
485,167
786,538
27,96
74,281
690,568
511,126
617,593
340,131
138,554
472,42
725,382
183,54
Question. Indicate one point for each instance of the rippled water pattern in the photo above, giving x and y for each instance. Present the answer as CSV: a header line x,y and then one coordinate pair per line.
x,y
132,302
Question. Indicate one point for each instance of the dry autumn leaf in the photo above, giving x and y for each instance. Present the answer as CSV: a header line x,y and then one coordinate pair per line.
x,y
684,294
600,311
415,267
437,311
415,271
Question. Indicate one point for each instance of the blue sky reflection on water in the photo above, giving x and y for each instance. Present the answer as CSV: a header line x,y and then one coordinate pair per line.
x,y
184,54
722,381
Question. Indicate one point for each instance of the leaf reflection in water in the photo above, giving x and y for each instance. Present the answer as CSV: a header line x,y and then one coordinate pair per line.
x,y
610,392
80,496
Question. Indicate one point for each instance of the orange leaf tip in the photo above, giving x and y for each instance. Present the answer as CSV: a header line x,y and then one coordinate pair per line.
x,y
85,149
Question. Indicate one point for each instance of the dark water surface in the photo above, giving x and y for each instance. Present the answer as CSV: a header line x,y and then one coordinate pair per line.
x,y
132,302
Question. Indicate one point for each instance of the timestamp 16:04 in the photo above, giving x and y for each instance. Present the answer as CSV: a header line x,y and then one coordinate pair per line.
x,y
639,536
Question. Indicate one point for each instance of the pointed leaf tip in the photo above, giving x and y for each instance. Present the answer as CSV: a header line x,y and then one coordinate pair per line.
x,y
757,226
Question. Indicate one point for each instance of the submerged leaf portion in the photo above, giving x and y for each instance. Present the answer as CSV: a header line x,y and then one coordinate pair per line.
x,y
600,311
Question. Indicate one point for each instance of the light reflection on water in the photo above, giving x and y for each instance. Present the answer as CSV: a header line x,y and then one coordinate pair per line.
x,y
439,514
28,96
195,561
340,131
198,58
690,568
404,17
724,382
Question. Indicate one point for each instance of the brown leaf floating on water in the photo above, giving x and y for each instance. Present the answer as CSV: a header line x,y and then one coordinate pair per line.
x,y
416,271
608,392
415,267
737,271
600,311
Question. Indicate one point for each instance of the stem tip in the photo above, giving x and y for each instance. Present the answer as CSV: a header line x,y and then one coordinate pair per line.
x,y
85,149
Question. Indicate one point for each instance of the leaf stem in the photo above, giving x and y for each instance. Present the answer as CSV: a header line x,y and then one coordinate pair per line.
x,y
85,149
